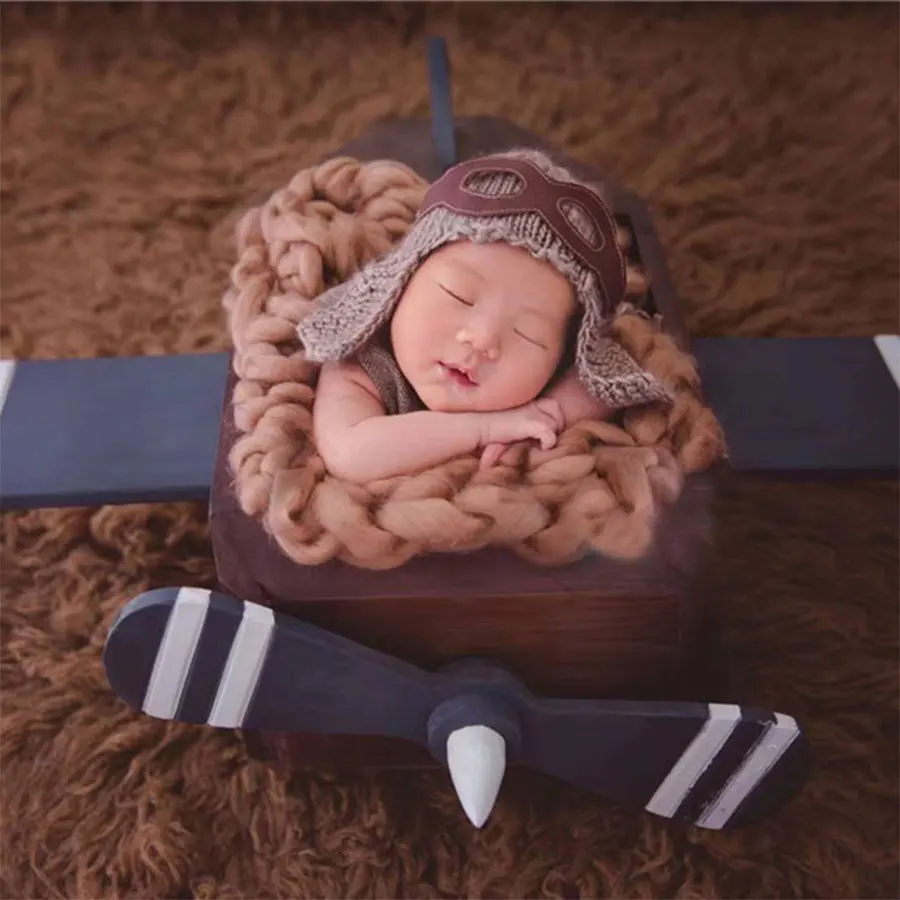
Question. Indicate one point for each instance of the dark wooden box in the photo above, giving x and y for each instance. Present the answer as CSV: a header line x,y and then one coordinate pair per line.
x,y
598,628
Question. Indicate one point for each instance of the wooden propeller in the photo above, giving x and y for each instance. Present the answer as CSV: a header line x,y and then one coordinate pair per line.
x,y
201,657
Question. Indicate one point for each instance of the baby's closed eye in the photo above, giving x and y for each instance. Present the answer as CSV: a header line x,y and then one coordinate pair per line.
x,y
531,338
456,295
536,329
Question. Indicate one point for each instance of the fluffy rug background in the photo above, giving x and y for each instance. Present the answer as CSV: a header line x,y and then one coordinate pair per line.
x,y
765,139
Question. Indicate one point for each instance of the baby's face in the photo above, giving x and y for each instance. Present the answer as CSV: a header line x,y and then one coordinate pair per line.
x,y
481,327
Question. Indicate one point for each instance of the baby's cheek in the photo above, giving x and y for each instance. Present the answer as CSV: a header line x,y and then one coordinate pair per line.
x,y
523,380
431,329
408,335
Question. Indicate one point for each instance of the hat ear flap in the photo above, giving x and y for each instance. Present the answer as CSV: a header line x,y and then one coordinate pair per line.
x,y
610,373
349,314
323,331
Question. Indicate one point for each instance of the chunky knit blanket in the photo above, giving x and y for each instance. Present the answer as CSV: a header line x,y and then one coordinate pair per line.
x,y
601,489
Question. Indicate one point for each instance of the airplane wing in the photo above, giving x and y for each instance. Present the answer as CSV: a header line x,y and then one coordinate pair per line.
x,y
114,430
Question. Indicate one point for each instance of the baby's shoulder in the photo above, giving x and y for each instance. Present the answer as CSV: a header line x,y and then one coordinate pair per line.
x,y
345,376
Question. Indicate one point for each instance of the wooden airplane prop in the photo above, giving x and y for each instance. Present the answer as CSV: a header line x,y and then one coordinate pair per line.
x,y
147,430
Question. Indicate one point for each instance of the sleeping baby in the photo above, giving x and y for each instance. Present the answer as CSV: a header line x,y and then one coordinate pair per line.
x,y
485,326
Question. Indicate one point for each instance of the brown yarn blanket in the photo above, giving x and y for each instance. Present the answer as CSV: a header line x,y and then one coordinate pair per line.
x,y
600,489
764,137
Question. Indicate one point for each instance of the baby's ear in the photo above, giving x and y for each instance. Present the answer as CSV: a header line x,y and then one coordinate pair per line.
x,y
613,376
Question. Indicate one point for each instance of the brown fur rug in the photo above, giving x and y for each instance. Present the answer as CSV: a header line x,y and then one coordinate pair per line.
x,y
765,139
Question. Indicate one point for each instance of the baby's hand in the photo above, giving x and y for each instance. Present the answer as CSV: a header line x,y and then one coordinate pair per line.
x,y
570,401
541,420
575,401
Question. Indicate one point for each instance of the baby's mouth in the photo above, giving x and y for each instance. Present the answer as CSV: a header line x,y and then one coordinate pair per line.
x,y
459,376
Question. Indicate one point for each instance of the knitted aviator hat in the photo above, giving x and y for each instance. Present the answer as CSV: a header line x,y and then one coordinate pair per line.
x,y
523,199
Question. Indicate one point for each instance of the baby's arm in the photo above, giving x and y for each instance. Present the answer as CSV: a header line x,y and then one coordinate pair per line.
x,y
359,443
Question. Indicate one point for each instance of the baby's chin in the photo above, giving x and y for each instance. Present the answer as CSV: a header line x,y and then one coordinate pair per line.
x,y
442,404
471,400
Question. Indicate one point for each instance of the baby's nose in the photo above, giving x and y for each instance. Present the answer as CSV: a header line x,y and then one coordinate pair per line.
x,y
482,338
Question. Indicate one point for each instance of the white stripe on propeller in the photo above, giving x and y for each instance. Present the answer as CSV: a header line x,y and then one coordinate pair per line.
x,y
244,667
7,370
703,749
176,653
775,740
889,347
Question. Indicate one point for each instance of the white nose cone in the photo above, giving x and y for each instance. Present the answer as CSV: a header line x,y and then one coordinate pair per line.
x,y
476,757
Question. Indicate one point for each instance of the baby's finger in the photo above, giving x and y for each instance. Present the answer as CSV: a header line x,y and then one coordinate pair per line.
x,y
559,415
550,421
546,435
551,408
491,455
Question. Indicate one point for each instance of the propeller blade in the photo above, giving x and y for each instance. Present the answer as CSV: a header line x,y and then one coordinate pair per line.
x,y
713,765
205,658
